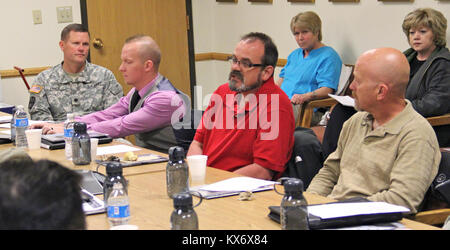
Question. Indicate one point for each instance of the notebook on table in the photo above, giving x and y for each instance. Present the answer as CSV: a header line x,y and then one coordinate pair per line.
x,y
351,212
56,141
232,186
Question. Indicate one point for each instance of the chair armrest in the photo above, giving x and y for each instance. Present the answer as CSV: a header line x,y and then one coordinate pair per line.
x,y
439,120
327,102
305,116
432,217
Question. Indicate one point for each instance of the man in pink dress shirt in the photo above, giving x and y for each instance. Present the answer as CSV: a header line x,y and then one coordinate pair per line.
x,y
148,113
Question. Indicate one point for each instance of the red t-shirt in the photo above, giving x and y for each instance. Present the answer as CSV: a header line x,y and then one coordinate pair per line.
x,y
262,132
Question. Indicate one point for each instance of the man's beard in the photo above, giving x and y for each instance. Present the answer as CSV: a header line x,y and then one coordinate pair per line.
x,y
243,88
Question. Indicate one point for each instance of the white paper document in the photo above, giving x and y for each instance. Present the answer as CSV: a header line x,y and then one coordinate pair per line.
x,y
232,186
92,204
6,132
346,209
344,100
238,184
115,149
5,119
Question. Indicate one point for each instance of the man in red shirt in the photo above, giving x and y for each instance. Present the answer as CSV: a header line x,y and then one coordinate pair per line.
x,y
248,126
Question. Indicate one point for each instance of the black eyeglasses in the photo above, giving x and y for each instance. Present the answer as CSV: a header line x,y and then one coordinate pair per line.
x,y
244,63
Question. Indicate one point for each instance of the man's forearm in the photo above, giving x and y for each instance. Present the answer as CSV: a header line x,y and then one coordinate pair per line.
x,y
256,171
196,148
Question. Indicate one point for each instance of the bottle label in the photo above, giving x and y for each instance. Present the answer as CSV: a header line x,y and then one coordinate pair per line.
x,y
23,122
68,133
118,211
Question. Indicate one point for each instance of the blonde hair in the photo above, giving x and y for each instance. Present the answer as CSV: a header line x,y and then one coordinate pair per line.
x,y
307,20
430,18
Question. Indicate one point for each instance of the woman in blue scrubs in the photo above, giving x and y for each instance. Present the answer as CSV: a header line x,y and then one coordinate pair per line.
x,y
312,71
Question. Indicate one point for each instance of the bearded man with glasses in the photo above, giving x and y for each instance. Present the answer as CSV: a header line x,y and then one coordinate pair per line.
x,y
249,124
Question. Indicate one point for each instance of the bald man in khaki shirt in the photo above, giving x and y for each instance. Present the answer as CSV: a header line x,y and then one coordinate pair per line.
x,y
387,152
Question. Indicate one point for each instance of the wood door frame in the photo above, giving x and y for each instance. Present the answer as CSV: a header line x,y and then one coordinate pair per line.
x,y
190,33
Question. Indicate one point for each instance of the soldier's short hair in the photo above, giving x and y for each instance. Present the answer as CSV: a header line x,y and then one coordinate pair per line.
x,y
72,27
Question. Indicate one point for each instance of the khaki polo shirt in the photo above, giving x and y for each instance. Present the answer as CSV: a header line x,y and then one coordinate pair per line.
x,y
395,163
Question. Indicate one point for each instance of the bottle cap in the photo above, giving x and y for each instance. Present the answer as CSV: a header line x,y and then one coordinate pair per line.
x,y
113,168
182,200
293,185
80,127
176,153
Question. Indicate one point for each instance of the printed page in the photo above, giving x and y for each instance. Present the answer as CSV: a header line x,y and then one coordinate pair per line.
x,y
346,209
344,100
238,184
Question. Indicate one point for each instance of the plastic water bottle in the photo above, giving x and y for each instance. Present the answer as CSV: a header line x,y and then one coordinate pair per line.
x,y
13,127
183,216
113,174
81,145
118,206
177,172
294,208
21,124
68,134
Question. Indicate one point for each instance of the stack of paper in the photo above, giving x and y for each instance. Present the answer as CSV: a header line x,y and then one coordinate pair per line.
x,y
115,149
233,186
343,209
92,204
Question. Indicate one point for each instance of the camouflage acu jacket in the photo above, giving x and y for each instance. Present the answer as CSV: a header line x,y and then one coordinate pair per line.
x,y
55,93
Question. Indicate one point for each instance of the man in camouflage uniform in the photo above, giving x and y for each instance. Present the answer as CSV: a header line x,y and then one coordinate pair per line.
x,y
74,86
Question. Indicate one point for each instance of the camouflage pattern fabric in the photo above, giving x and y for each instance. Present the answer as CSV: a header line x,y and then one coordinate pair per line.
x,y
55,93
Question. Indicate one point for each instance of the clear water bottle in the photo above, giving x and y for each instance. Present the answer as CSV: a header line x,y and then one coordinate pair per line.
x,y
81,144
21,124
68,134
294,208
118,205
183,216
13,127
114,173
177,172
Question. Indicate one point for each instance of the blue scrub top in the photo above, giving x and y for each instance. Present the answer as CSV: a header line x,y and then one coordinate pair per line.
x,y
322,68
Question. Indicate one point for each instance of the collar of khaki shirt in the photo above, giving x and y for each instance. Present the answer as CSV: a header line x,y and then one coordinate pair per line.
x,y
393,126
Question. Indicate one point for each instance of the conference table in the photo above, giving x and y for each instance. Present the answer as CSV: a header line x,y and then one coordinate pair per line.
x,y
150,206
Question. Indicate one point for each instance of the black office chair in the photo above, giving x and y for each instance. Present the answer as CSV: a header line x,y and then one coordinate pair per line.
x,y
438,195
307,156
184,134
435,207
184,130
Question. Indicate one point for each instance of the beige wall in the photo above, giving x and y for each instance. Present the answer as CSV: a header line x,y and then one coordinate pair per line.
x,y
350,28
25,44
